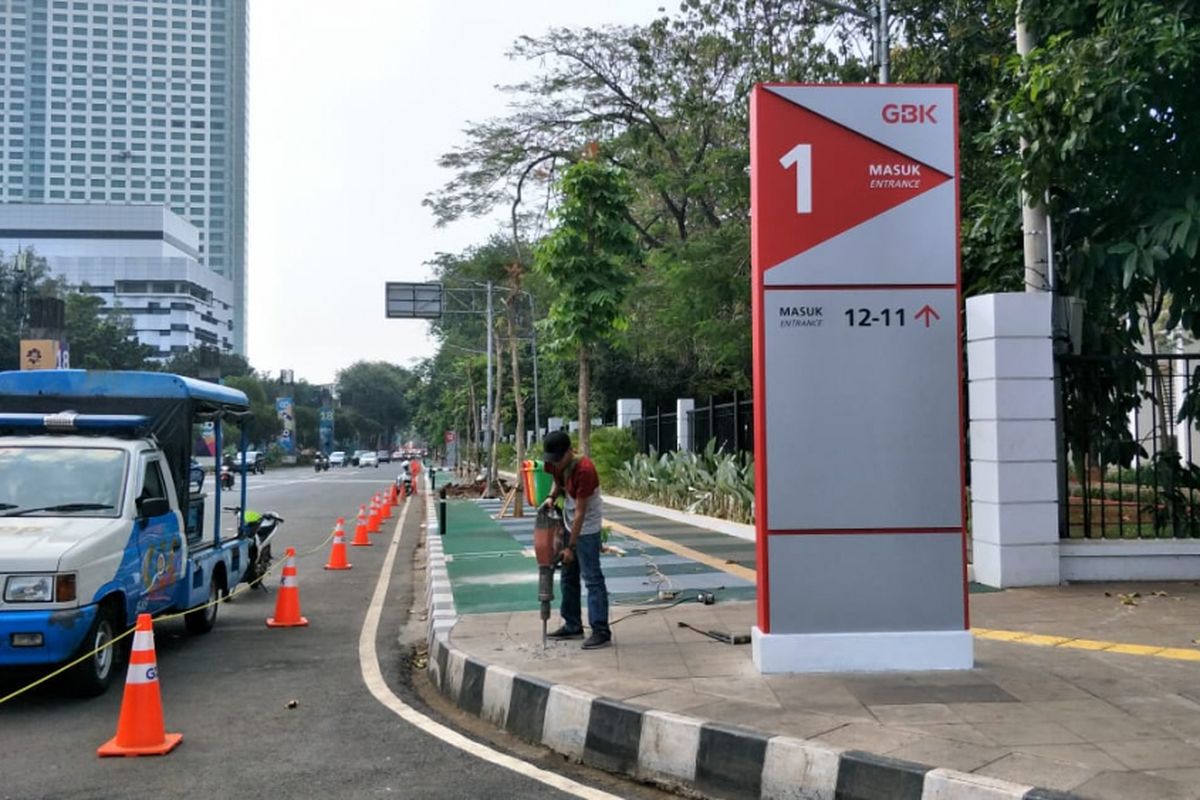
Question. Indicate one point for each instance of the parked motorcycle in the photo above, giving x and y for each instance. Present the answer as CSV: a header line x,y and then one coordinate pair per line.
x,y
261,529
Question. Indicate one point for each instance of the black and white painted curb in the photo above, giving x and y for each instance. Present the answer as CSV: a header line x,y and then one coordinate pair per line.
x,y
707,758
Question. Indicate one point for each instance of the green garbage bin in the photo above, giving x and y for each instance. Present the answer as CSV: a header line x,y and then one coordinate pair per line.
x,y
538,482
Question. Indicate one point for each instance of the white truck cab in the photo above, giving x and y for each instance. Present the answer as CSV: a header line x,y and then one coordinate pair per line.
x,y
96,521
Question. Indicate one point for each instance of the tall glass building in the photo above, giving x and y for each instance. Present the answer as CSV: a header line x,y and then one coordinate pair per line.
x,y
138,102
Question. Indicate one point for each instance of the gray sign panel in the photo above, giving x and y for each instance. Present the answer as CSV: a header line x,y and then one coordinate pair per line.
x,y
862,419
846,583
414,300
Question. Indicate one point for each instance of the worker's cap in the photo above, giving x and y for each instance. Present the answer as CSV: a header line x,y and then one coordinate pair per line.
x,y
555,446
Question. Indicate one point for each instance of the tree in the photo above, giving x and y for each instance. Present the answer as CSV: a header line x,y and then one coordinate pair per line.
x,y
22,276
100,340
1107,102
194,362
587,260
378,392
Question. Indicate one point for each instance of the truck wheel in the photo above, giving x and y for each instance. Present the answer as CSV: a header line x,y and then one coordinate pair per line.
x,y
92,677
204,618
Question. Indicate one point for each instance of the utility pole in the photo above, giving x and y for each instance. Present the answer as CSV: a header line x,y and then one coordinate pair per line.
x,y
881,20
878,16
537,416
1034,220
487,430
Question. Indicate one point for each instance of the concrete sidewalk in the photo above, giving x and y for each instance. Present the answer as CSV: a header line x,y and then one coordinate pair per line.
x,y
1076,689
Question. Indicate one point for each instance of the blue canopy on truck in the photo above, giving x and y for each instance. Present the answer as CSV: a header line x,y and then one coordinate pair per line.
x,y
168,403
90,383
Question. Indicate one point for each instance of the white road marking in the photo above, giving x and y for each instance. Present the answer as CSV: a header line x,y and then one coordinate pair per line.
x,y
373,677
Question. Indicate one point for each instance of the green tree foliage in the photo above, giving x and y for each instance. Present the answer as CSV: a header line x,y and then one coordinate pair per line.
x,y
100,340
1108,105
377,394
97,338
587,260
194,362
264,429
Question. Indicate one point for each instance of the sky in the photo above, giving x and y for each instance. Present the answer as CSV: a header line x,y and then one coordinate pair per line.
x,y
348,113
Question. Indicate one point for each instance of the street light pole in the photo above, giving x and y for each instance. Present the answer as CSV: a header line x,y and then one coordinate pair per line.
x,y
537,416
881,37
487,432
1034,220
879,18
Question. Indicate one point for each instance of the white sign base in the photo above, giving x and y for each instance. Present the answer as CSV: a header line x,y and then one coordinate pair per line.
x,y
895,651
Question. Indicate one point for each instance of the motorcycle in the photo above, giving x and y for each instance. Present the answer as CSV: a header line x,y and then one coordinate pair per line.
x,y
260,529
320,463
226,476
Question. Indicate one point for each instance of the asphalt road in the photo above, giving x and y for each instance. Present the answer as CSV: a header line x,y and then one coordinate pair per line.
x,y
228,692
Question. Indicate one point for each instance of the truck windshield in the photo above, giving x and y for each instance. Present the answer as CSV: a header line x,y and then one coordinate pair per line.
x,y
68,481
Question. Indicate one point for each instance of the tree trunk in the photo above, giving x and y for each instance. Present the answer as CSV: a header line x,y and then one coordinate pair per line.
x,y
518,400
585,413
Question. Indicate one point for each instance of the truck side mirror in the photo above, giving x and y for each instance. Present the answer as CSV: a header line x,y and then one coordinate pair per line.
x,y
153,507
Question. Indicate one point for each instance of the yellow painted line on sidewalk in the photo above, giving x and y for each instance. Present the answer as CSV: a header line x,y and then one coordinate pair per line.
x,y
681,550
1095,645
1018,637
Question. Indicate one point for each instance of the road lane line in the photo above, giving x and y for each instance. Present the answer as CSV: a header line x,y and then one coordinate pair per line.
x,y
373,676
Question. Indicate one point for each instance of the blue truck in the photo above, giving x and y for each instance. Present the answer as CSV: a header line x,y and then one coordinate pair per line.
x,y
99,517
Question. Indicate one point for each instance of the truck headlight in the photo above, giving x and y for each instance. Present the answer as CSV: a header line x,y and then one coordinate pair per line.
x,y
29,589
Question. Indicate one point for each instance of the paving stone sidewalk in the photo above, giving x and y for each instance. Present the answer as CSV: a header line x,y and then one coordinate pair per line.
x,y
1104,725
1100,725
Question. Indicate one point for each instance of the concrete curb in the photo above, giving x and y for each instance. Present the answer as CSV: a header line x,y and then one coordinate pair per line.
x,y
674,750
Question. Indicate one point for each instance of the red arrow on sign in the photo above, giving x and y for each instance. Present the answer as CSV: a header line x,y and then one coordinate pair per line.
x,y
929,314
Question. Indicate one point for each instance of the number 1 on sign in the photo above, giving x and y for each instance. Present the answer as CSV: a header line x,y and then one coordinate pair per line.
x,y
800,156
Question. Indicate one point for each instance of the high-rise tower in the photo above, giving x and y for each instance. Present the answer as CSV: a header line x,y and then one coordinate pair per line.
x,y
133,102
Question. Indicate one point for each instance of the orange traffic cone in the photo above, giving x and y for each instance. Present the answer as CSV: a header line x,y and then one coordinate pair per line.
x,y
385,506
373,517
393,496
403,494
287,601
337,554
140,730
360,529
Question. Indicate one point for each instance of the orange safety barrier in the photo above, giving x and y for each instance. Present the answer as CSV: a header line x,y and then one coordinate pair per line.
x,y
287,599
337,553
140,728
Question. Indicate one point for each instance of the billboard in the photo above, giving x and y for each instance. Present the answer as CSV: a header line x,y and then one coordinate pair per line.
x,y
286,412
325,431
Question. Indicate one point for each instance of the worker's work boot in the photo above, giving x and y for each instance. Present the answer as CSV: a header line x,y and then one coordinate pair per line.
x,y
564,632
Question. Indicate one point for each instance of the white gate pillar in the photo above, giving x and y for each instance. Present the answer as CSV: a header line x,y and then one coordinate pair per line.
x,y
683,425
628,409
1014,469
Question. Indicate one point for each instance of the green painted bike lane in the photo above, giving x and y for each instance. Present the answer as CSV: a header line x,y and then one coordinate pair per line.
x,y
491,566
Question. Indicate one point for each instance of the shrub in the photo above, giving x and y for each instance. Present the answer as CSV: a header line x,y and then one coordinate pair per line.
x,y
611,449
714,483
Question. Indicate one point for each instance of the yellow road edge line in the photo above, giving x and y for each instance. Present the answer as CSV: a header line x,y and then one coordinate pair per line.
x,y
738,570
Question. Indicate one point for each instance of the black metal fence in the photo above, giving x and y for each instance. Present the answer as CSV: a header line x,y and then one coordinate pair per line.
x,y
730,424
1129,441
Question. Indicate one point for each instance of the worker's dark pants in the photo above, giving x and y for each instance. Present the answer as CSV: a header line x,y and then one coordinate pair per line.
x,y
587,565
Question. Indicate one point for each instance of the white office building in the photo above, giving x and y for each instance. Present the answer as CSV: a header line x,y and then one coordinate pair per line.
x,y
133,101
141,260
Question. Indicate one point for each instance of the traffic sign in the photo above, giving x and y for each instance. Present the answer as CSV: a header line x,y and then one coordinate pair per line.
x,y
858,407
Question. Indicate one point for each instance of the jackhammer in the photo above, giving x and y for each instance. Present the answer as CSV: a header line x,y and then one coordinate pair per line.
x,y
549,534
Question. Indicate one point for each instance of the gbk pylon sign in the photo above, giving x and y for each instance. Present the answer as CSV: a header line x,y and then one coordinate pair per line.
x,y
858,405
